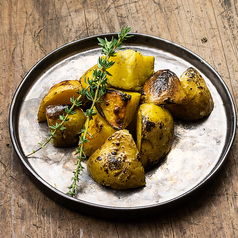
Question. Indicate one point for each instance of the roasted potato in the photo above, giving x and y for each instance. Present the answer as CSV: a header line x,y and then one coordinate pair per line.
x,y
73,126
118,107
155,130
99,130
163,87
200,103
59,94
129,72
116,163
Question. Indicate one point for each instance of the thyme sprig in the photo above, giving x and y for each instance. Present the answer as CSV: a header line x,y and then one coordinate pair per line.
x,y
97,88
94,91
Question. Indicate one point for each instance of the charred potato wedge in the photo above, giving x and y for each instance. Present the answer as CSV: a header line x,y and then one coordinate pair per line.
x,y
59,94
163,87
129,72
73,126
155,130
118,107
116,163
99,130
200,103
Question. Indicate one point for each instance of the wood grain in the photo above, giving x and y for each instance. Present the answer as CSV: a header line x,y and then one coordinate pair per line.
x,y
30,29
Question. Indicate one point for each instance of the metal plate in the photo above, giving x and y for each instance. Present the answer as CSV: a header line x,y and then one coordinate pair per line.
x,y
198,151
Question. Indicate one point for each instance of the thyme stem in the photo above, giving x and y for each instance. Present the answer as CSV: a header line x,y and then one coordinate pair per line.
x,y
79,166
95,93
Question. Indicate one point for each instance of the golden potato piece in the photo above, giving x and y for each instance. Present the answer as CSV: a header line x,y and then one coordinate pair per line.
x,y
129,72
69,136
60,93
155,130
116,163
87,75
118,107
100,130
200,103
163,87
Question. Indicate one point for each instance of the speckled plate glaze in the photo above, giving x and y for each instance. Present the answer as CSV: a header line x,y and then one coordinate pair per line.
x,y
199,148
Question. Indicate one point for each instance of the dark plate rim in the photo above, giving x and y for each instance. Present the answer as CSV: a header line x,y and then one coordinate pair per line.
x,y
103,210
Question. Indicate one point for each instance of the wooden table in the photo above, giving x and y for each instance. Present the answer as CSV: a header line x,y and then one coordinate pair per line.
x,y
30,29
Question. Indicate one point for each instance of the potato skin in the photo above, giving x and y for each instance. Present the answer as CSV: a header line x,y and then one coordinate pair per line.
x,y
118,107
200,103
59,94
100,130
69,136
116,163
129,72
163,87
155,130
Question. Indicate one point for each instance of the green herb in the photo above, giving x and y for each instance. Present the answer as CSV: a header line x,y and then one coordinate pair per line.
x,y
94,91
97,88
